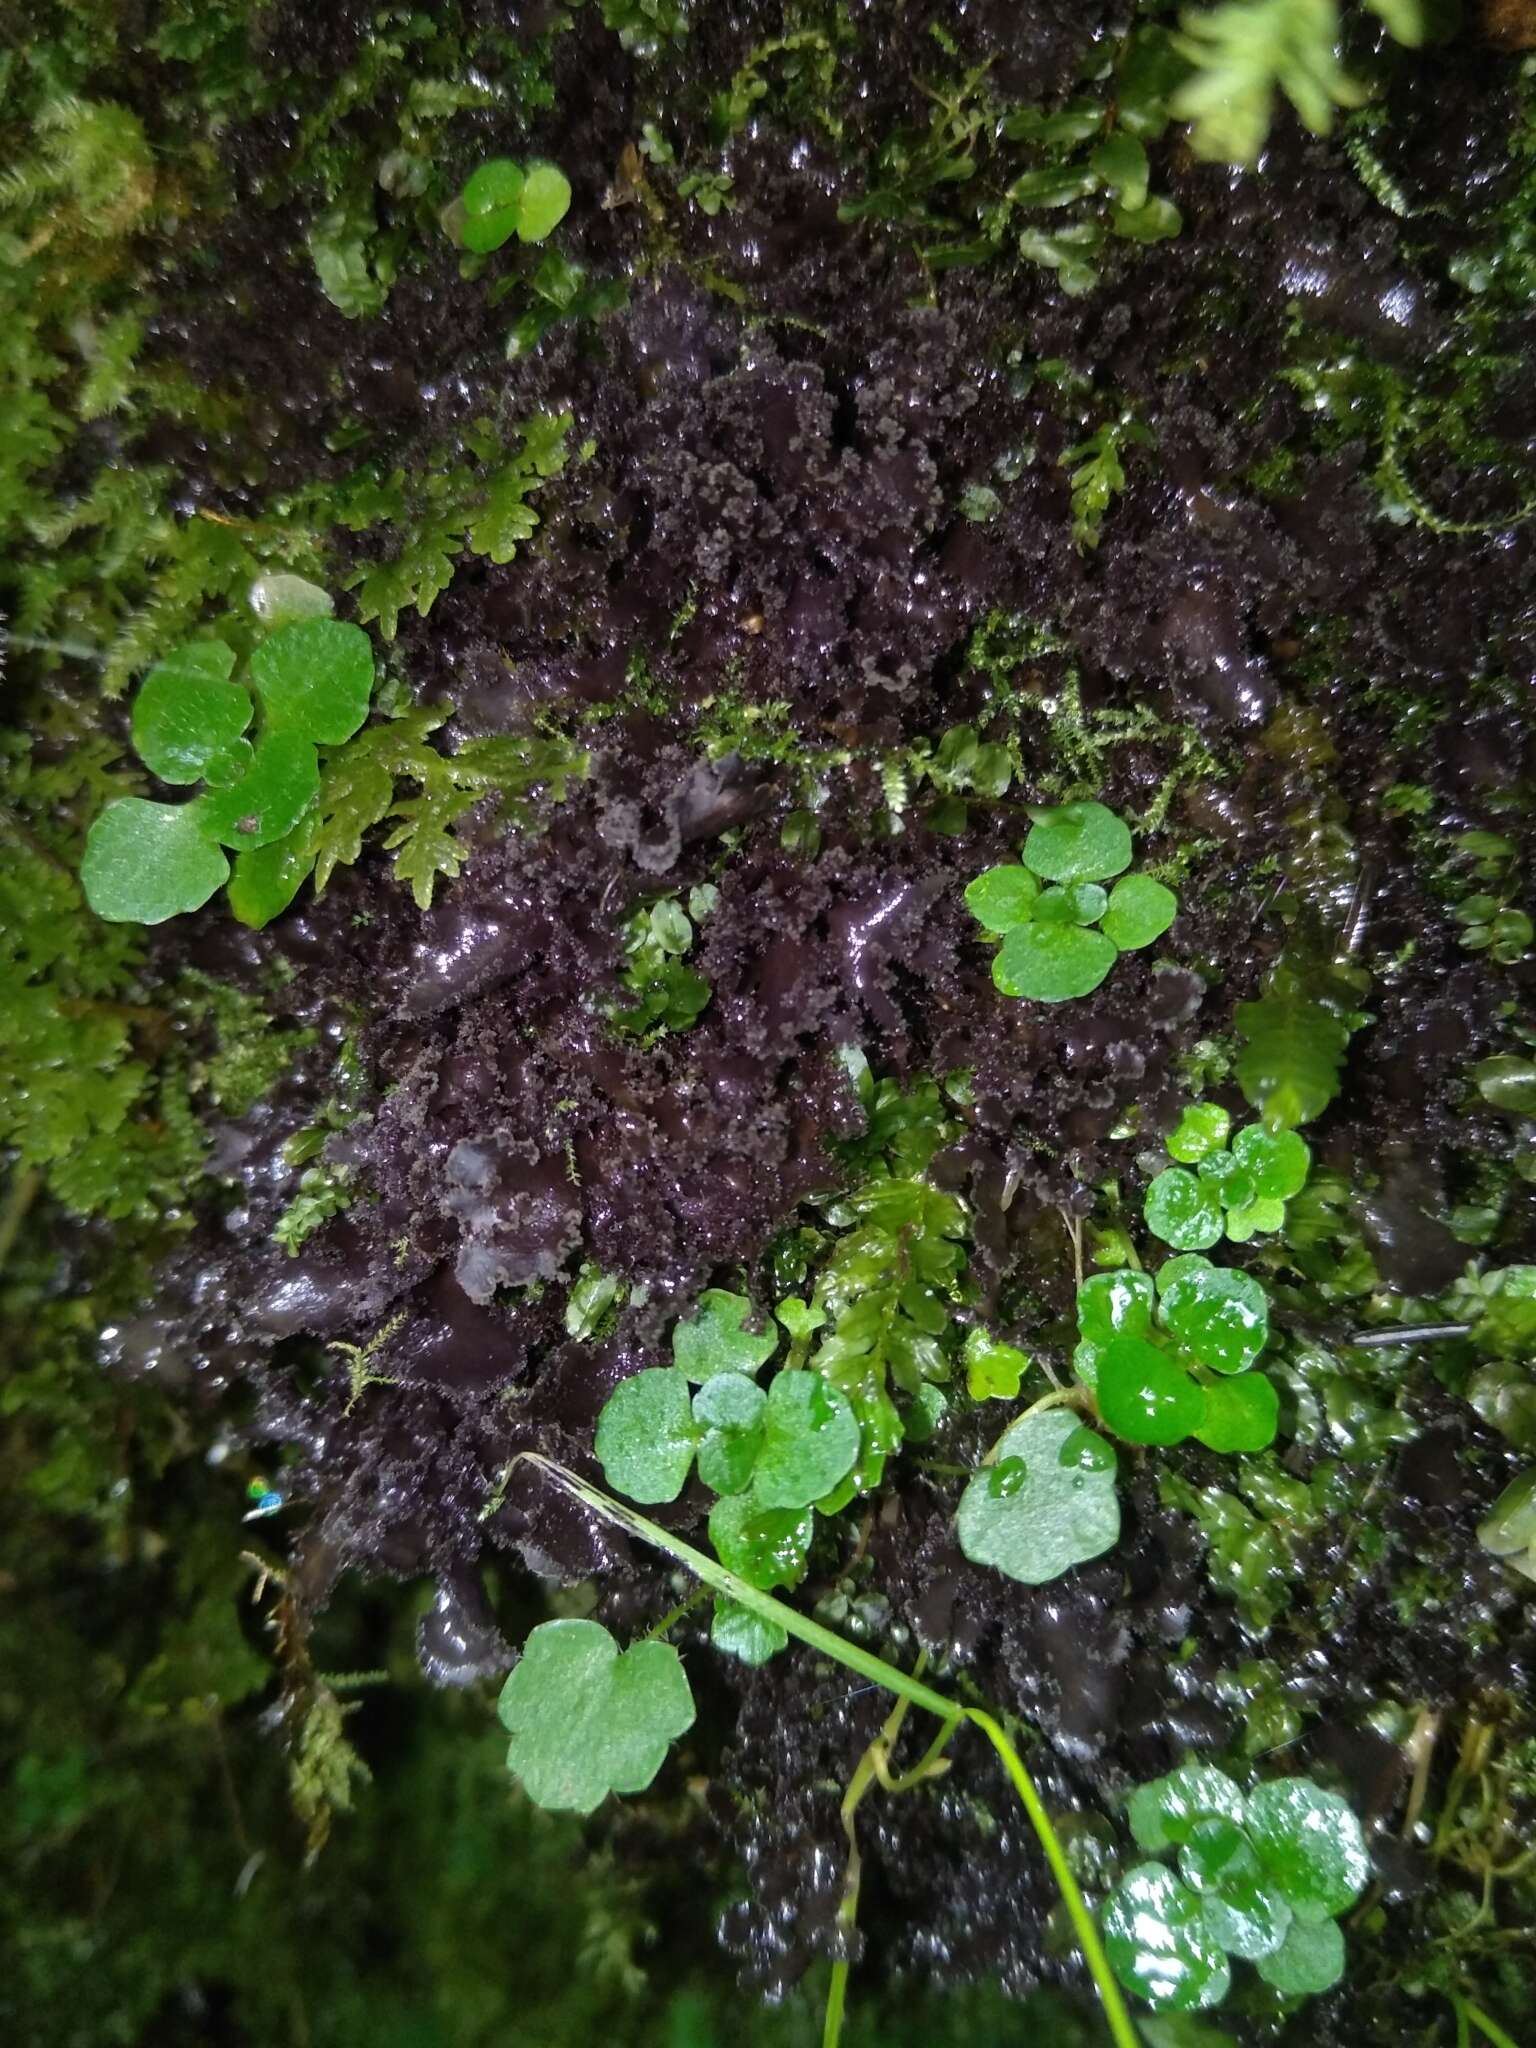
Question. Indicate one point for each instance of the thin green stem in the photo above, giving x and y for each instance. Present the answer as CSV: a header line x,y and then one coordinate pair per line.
x,y
1466,2010
891,1680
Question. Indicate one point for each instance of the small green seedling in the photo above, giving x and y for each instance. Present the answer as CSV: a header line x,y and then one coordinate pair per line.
x,y
503,199
771,1457
313,679
1261,1877
1060,941
587,1719
1235,1191
665,994
1171,1358
1044,1502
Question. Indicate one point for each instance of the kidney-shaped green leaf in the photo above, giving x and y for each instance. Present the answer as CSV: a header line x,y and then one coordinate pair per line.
x,y
586,1719
810,1440
266,803
1082,842
146,862
315,677
1219,1315
1045,1503
1310,1845
1157,1943
1164,1812
188,711
646,1435
1052,963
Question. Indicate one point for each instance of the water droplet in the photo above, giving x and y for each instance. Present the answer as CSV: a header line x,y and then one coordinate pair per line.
x,y
1007,1478
1088,1452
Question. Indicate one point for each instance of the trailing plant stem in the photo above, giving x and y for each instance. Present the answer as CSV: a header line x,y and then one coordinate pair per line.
x,y
905,1687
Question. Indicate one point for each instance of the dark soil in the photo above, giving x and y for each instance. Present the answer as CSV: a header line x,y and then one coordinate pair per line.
x,y
771,517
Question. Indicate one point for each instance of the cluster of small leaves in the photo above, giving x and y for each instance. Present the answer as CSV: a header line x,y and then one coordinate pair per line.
x,y
646,28
447,510
1491,919
1087,161
961,765
1262,1877
1256,1528
1059,942
1237,1190
1098,473
313,678
1247,51
664,993
502,199
1172,1358
1500,1305
772,1457
586,1718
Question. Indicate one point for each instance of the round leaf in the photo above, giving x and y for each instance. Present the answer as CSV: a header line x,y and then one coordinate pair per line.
x,y
1046,1503
1163,1813
491,200
1077,903
281,783
585,1720
1146,1396
1202,1129
1052,963
279,599
266,881
738,1632
1310,1959
1002,898
1253,1218
1310,1845
730,1409
187,711
1155,1938
1115,1304
1246,1918
1277,1162
1140,910
544,202
1081,842
1241,1414
712,1339
1216,1852
765,1546
1221,1316
1182,1212
646,1435
1507,1082
146,862
315,677
810,1440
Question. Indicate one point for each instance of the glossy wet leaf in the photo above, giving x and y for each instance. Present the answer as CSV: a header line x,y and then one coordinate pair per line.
x,y
145,862
1509,1527
646,1435
1245,1916
740,1633
1046,1503
1507,1081
993,1369
728,1410
1157,1944
1254,1219
1140,911
1003,897
1182,1211
1202,1129
585,1719
490,200
1219,1315
1117,1304
767,1547
280,785
1052,963
1081,842
810,1441
279,599
1163,1813
1310,1845
1277,1162
544,201
712,1339
1144,1395
267,879
1074,903
1241,1414
315,677
1216,1852
187,711
1309,1960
